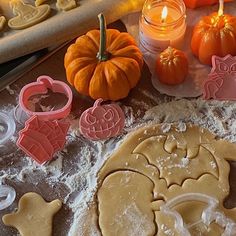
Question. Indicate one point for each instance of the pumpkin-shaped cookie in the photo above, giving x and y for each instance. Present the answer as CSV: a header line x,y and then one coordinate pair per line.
x,y
172,66
104,64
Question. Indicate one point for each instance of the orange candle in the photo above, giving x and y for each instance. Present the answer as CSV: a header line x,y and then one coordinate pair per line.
x,y
201,3
214,35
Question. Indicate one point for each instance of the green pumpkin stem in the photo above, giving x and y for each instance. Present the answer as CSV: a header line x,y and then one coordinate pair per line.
x,y
102,54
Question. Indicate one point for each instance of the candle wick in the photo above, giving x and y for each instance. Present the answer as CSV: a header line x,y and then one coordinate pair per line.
x,y
221,8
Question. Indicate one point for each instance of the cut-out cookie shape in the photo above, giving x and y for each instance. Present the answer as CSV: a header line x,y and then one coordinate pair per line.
x,y
221,82
34,216
39,2
102,121
174,163
65,5
2,22
27,15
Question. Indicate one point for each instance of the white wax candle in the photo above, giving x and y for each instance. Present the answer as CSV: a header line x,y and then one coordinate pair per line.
x,y
157,34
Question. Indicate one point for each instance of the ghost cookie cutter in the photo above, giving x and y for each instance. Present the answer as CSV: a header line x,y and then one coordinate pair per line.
x,y
8,195
210,214
221,82
102,121
41,87
27,15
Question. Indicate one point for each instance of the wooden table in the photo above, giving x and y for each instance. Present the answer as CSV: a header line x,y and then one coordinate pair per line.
x,y
11,158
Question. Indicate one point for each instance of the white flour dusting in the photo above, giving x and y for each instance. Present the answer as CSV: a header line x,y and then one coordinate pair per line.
x,y
88,157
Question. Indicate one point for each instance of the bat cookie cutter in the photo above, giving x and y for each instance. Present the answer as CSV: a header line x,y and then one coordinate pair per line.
x,y
41,86
209,214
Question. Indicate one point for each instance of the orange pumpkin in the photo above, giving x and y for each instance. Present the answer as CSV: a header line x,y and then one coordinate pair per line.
x,y
172,66
214,35
104,64
201,3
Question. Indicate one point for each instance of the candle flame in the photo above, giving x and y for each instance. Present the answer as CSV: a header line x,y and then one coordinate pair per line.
x,y
221,8
164,14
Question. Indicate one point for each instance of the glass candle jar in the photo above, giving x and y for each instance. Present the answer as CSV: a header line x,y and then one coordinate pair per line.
x,y
162,24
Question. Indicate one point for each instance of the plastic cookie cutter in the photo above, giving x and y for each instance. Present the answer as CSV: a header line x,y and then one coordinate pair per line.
x,y
209,214
7,127
102,121
7,195
42,139
221,82
41,87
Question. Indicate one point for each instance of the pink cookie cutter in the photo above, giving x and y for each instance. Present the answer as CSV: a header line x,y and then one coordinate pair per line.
x,y
102,121
42,139
221,82
41,87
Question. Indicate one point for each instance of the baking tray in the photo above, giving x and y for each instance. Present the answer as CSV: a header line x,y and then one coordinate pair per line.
x,y
60,26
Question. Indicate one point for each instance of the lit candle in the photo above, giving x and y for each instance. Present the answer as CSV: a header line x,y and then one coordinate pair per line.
x,y
162,24
214,35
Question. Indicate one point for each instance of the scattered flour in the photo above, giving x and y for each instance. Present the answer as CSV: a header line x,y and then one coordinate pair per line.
x,y
77,166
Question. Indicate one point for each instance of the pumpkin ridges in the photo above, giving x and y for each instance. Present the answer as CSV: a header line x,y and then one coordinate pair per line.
x,y
230,47
197,39
130,52
122,41
98,87
211,43
76,50
76,65
117,82
82,79
130,68
107,80
94,35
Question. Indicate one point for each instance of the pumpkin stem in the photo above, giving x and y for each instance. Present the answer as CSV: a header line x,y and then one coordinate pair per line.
x,y
98,102
102,54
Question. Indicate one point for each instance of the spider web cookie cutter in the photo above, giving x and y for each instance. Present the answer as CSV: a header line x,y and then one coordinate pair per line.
x,y
209,214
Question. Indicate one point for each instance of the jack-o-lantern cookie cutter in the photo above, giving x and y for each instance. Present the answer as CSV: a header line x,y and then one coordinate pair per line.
x,y
209,214
102,121
41,87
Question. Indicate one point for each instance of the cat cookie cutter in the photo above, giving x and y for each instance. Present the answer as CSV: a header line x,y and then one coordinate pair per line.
x,y
221,82
209,214
41,86
8,195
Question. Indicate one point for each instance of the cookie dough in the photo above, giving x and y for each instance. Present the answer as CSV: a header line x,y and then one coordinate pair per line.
x,y
65,5
27,15
2,22
152,167
39,2
34,215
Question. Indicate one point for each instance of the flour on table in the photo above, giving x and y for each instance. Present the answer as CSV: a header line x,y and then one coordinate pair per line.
x,y
76,166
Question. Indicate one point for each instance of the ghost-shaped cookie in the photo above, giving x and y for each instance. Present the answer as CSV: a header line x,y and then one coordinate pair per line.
x,y
34,216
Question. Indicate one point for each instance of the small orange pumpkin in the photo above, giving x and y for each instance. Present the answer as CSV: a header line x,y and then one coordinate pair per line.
x,y
104,64
172,66
201,3
214,35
